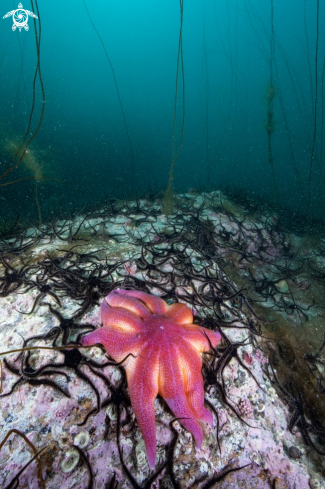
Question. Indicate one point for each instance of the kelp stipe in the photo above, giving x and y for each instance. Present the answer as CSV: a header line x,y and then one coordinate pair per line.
x,y
169,201
118,95
312,155
36,456
269,126
22,150
168,197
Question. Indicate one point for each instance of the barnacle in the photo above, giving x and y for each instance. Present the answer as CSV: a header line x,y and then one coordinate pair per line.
x,y
82,439
71,459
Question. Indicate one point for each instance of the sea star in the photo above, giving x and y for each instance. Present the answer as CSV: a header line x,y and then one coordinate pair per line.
x,y
167,359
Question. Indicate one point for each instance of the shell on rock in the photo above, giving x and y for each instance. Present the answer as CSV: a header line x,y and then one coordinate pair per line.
x,y
81,439
315,483
70,460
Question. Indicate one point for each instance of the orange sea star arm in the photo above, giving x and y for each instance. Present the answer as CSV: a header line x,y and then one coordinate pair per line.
x,y
171,387
191,367
120,319
142,377
117,344
180,313
154,303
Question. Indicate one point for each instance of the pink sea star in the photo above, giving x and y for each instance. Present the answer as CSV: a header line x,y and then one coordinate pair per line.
x,y
167,360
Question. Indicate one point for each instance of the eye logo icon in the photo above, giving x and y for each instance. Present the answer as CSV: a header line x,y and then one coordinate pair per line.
x,y
20,18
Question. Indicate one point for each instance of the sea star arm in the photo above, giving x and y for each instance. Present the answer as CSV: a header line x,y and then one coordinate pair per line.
x,y
117,344
201,338
120,319
119,298
180,313
142,377
171,388
154,303
191,368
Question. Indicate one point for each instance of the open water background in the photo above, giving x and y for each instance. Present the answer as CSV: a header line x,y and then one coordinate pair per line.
x,y
243,66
